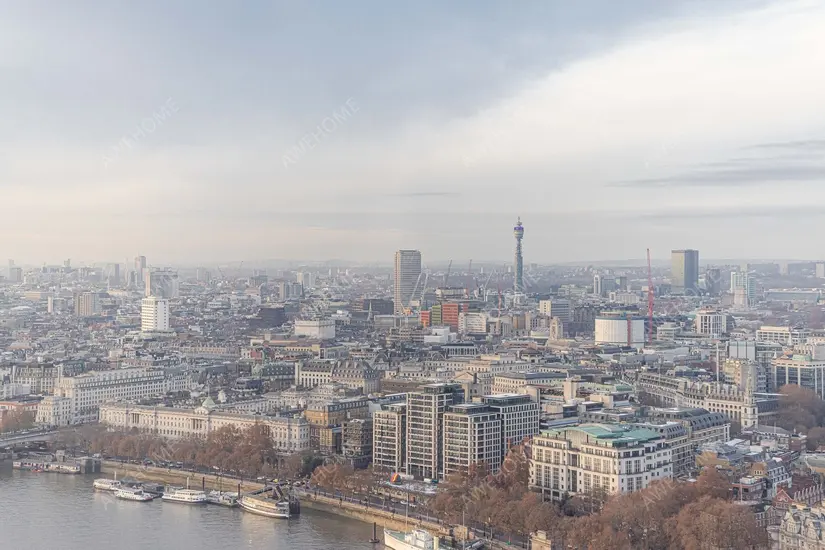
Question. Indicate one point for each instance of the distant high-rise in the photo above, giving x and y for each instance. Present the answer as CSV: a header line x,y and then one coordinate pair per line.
x,y
684,271
140,267
86,304
407,273
518,268
154,315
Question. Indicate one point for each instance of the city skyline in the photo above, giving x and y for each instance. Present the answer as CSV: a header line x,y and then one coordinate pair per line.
x,y
187,151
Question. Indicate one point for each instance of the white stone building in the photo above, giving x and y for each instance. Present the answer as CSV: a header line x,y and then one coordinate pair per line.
x,y
288,434
598,458
90,390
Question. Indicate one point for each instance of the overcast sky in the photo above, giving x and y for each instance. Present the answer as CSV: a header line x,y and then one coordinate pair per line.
x,y
608,126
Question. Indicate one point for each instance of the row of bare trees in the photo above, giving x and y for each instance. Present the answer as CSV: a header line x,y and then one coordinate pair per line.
x,y
668,515
241,452
14,420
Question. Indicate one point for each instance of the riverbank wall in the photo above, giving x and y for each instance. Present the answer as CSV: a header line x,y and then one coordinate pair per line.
x,y
368,515
175,477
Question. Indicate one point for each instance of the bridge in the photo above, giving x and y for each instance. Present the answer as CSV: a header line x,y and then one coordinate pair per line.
x,y
13,439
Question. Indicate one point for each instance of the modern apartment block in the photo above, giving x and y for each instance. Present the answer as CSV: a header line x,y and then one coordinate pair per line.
x,y
519,417
598,458
472,435
389,433
425,416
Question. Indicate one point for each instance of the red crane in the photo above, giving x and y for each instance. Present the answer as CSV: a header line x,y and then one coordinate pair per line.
x,y
649,300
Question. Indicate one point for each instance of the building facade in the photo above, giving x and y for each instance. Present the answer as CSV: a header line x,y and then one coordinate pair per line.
x,y
90,390
472,436
598,458
288,434
684,271
389,433
425,414
407,273
154,314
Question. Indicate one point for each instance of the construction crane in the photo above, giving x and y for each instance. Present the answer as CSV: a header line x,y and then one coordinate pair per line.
x,y
408,309
469,277
649,300
447,276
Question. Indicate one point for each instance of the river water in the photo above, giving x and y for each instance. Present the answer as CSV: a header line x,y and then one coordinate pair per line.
x,y
43,510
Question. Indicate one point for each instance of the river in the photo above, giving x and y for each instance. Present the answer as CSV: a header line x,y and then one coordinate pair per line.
x,y
43,510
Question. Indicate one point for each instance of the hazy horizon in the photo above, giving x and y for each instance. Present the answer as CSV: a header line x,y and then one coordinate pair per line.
x,y
201,130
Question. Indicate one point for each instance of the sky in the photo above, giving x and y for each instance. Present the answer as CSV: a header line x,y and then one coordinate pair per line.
x,y
208,131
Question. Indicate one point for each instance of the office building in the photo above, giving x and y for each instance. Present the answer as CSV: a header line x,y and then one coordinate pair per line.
x,y
154,314
389,432
87,304
15,274
519,416
802,368
425,416
518,263
306,279
743,285
710,322
557,307
406,278
472,436
140,268
598,459
90,390
786,336
317,329
684,273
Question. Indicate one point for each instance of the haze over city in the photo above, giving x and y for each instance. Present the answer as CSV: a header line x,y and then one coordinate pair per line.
x,y
324,130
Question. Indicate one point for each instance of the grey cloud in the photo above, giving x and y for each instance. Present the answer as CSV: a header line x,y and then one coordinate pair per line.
x,y
734,177
777,212
801,145
424,194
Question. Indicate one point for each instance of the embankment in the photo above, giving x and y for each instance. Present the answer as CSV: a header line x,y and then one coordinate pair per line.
x,y
369,515
175,477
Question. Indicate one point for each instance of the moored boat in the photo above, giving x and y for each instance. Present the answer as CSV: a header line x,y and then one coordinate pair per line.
x,y
265,506
417,539
184,496
133,493
223,499
105,484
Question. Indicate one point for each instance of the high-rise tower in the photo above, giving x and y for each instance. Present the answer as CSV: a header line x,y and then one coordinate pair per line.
x,y
518,279
407,274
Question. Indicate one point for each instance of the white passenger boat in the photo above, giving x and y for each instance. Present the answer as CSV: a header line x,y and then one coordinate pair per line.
x,y
133,493
184,496
265,507
105,484
414,540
